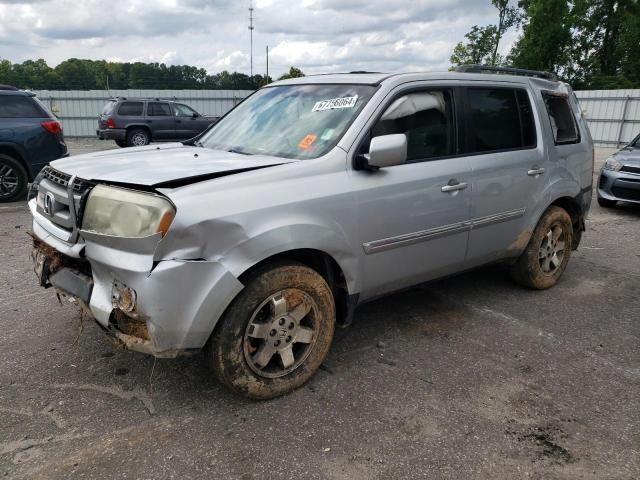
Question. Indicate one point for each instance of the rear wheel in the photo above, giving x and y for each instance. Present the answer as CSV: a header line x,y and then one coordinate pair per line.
x,y
604,203
13,179
138,137
547,255
276,333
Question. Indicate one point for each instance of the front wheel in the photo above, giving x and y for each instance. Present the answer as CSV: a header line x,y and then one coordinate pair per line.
x,y
276,333
547,255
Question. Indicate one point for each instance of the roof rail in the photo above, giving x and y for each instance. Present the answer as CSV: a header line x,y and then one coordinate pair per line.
x,y
507,71
9,87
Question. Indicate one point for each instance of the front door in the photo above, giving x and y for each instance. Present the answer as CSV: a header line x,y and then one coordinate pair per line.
x,y
161,121
412,217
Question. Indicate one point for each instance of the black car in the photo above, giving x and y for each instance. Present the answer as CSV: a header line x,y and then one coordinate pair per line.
x,y
138,121
30,137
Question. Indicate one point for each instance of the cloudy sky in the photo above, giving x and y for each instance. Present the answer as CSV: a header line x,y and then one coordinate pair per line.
x,y
315,35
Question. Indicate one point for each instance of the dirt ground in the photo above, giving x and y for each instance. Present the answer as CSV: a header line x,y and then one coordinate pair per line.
x,y
465,378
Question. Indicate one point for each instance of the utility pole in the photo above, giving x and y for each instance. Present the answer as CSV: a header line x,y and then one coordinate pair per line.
x,y
267,77
251,34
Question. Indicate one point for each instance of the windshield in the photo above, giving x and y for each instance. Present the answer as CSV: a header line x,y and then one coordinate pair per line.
x,y
291,121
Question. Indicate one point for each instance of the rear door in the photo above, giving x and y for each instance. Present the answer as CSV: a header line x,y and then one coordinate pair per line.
x,y
161,121
509,169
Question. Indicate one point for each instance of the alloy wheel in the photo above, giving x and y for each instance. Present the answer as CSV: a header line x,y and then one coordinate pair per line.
x,y
551,251
8,181
281,333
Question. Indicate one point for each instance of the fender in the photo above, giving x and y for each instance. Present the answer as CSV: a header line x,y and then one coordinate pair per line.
x,y
23,156
246,254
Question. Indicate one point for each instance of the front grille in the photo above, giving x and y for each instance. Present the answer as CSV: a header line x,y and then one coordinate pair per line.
x,y
79,185
630,169
56,205
626,193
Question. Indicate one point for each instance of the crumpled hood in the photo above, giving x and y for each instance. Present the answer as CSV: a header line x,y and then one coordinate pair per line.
x,y
158,165
629,157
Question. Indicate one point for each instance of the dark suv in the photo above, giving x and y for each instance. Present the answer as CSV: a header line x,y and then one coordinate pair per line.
x,y
30,137
133,122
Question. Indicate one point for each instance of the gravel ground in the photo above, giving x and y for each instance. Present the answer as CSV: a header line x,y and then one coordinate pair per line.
x,y
468,377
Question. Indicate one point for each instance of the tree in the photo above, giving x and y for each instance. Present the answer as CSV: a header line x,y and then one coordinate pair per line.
x,y
483,42
546,38
479,48
292,73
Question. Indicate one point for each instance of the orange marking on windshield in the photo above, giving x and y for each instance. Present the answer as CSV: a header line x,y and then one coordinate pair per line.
x,y
307,141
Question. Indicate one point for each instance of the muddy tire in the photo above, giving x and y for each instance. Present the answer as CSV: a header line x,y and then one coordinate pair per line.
x,y
275,334
546,257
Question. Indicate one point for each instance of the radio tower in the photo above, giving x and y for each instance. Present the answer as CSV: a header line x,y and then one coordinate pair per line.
x,y
251,35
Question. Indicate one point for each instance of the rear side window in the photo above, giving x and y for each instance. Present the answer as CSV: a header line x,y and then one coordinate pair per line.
x,y
108,108
563,123
130,109
500,119
17,106
158,109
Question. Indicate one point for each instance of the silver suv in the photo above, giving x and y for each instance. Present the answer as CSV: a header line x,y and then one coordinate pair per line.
x,y
313,196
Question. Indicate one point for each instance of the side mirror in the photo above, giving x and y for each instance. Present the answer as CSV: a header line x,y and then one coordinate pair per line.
x,y
195,115
388,150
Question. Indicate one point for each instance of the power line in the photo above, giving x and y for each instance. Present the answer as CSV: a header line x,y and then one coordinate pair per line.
x,y
251,34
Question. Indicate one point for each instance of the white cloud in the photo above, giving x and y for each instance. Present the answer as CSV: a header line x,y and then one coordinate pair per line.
x,y
315,35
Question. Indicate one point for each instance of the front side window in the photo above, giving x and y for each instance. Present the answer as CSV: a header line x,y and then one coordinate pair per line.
x,y
183,110
158,109
18,106
426,118
130,109
500,119
291,121
563,123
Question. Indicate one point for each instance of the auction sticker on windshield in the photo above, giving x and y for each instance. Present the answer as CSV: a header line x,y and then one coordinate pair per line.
x,y
342,102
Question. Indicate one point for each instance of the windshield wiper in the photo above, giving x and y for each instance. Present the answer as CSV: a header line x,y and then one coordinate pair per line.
x,y
235,150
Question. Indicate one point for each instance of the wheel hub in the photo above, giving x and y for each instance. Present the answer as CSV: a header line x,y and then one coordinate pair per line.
x,y
281,333
551,251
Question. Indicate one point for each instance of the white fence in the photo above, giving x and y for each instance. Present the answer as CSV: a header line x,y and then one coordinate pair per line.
x,y
79,110
613,116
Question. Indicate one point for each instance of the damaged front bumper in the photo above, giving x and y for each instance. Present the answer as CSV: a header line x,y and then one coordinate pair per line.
x,y
163,308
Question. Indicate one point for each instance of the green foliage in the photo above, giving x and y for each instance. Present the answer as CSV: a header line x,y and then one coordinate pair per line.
x,y
79,74
292,73
479,47
482,43
589,43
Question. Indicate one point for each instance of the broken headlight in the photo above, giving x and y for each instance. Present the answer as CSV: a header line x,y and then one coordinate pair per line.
x,y
612,164
126,213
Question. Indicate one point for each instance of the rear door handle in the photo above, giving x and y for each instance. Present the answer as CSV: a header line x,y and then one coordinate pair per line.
x,y
535,172
453,186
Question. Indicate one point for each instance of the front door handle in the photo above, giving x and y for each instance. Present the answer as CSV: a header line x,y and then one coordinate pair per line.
x,y
534,172
453,186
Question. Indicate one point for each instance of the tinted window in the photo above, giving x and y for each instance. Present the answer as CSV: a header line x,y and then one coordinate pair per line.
x,y
527,123
129,109
562,121
495,120
158,109
426,119
15,106
183,110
